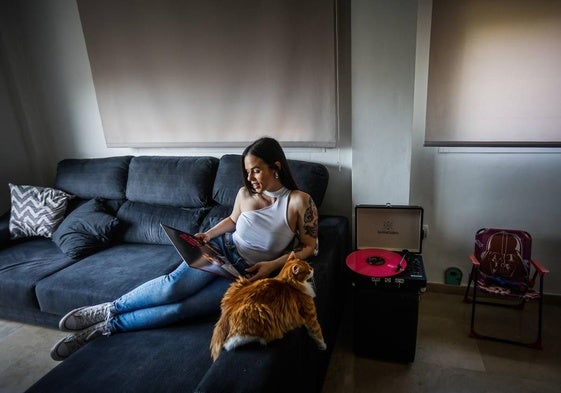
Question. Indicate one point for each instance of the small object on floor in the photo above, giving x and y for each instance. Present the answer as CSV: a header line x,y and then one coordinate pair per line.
x,y
453,276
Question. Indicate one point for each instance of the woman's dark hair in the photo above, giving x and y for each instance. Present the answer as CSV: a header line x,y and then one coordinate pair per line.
x,y
270,151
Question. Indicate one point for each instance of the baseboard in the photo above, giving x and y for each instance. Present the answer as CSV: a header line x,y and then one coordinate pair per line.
x,y
548,298
446,288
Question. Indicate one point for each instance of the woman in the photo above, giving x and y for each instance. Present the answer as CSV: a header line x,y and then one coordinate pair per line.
x,y
269,213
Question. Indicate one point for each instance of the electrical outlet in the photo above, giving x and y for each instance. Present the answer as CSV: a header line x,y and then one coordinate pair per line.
x,y
425,231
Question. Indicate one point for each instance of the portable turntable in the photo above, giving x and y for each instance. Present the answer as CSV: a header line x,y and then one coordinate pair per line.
x,y
387,276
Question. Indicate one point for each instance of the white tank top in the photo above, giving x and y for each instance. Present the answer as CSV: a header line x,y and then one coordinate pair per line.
x,y
263,235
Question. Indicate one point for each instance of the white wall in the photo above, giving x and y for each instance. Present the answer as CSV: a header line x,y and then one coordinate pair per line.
x,y
14,167
20,160
383,71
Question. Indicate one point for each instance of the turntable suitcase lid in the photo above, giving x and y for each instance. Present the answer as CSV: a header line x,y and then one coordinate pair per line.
x,y
389,227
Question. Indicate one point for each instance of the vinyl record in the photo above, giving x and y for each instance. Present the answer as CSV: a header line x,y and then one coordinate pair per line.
x,y
376,262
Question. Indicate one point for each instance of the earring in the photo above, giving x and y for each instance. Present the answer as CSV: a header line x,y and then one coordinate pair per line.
x,y
276,175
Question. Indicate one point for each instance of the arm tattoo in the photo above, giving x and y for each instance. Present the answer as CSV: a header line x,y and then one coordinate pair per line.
x,y
310,219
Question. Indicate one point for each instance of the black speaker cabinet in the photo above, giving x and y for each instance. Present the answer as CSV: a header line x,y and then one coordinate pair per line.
x,y
385,324
386,309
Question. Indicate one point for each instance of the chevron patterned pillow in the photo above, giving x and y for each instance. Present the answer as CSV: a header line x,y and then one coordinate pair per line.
x,y
36,211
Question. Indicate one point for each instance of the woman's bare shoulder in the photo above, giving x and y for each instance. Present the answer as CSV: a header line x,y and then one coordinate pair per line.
x,y
300,197
245,199
243,193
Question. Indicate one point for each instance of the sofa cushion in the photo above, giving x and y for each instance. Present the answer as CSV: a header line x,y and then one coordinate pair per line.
x,y
216,214
36,211
309,176
104,276
140,222
22,265
172,181
94,178
228,179
86,230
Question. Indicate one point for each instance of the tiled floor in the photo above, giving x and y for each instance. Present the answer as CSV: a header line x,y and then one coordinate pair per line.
x,y
446,360
24,355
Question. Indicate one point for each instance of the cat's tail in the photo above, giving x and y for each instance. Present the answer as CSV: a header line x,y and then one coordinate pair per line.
x,y
237,341
219,337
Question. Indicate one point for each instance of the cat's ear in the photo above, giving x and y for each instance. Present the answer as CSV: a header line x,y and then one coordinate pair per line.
x,y
292,255
295,269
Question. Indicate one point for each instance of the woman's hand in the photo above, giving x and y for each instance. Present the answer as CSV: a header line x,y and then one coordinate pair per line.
x,y
203,237
261,270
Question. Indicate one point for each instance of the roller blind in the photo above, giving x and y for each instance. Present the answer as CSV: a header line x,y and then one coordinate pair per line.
x,y
213,73
494,73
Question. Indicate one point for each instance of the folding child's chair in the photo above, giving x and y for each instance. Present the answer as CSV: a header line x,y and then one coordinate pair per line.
x,y
502,268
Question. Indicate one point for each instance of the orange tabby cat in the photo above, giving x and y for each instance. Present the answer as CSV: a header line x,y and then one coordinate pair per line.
x,y
266,309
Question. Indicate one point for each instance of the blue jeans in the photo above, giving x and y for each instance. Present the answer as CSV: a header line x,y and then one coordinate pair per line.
x,y
227,247
183,293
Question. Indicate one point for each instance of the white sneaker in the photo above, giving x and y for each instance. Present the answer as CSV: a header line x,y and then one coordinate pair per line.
x,y
84,317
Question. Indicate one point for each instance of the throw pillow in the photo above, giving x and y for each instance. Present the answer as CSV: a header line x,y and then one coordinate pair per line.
x,y
87,230
36,211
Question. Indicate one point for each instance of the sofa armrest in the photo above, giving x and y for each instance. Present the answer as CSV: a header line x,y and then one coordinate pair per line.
x,y
4,229
329,265
272,368
334,245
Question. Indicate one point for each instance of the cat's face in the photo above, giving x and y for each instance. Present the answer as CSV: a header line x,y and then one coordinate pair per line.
x,y
297,269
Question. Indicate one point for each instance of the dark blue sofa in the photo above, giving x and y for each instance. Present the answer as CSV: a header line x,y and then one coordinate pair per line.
x,y
39,283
